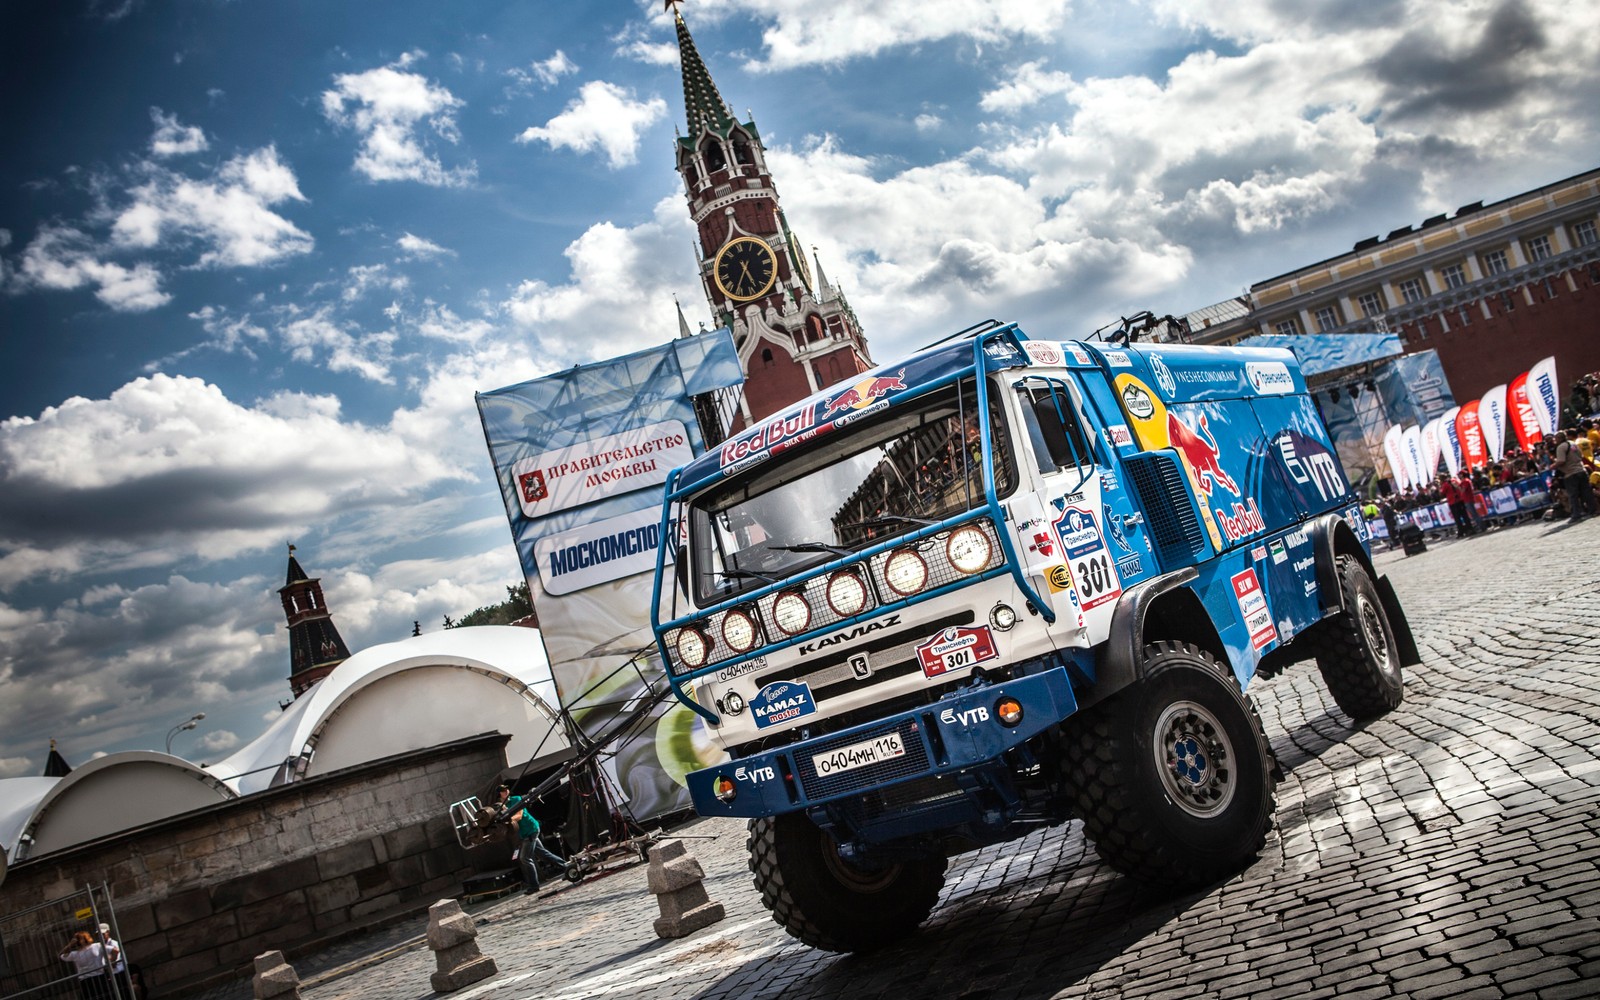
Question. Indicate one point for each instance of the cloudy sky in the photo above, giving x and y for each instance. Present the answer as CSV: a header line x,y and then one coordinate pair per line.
x,y
256,258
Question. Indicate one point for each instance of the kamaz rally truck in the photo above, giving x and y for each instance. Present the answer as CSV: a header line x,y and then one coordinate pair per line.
x,y
1001,584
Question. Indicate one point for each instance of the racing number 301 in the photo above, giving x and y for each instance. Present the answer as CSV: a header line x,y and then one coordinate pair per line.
x,y
1095,575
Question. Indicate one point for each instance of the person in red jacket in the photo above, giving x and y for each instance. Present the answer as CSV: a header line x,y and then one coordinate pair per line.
x,y
1469,501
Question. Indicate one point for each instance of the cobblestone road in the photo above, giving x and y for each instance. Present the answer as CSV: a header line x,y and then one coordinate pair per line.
x,y
1447,849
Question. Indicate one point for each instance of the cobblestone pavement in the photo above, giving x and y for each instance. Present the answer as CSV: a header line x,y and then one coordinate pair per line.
x,y
1447,849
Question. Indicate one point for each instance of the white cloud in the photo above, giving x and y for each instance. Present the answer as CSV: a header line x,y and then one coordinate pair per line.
x,y
340,344
213,742
15,767
551,70
806,34
604,117
366,277
63,258
168,469
928,122
173,139
389,107
1028,86
416,246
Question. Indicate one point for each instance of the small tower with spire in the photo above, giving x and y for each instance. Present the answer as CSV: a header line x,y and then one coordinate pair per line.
x,y
315,646
55,765
794,332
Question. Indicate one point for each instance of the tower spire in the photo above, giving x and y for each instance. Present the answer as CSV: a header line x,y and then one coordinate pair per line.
x,y
703,105
315,646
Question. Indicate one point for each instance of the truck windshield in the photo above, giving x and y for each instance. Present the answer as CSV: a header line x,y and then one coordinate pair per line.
x,y
912,466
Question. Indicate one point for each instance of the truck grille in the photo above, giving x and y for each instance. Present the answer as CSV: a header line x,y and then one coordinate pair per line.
x,y
1164,495
914,762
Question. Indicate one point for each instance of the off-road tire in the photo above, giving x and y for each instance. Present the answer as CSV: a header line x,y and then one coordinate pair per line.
x,y
829,903
1173,777
1356,649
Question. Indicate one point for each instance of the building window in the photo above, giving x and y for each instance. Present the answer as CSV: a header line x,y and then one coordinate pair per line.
x,y
1412,290
1538,248
1288,327
1371,304
1327,318
766,357
1455,276
1583,233
1494,262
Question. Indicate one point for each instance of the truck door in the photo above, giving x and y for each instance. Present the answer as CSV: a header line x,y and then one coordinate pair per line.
x,y
1088,530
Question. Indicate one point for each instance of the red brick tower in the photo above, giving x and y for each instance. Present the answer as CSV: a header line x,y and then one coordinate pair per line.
x,y
795,333
315,646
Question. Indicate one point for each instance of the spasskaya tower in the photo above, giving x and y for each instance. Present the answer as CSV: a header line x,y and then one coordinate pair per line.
x,y
794,331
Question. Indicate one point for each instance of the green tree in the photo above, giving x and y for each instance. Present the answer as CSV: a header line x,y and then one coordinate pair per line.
x,y
518,604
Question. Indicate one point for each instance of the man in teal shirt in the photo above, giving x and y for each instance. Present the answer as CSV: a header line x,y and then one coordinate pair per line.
x,y
528,835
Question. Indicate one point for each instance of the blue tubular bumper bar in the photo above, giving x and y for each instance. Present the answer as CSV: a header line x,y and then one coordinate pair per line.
x,y
950,735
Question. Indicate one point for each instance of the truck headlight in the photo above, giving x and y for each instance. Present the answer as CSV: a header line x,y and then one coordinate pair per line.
x,y
791,613
724,788
739,631
693,648
968,549
847,595
905,572
1008,710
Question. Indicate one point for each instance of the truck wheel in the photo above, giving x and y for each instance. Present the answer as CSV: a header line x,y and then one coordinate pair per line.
x,y
829,902
1356,650
1173,777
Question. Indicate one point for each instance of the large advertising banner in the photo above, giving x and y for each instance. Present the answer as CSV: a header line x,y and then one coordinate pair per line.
x,y
1473,453
1394,451
1449,440
581,457
1431,446
1411,451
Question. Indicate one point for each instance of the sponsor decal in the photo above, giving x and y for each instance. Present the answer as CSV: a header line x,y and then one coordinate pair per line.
x,y
1114,528
860,666
1259,553
1253,608
1108,480
863,394
1199,450
1169,385
1305,565
956,648
966,717
757,443
1244,521
1129,566
1297,538
600,467
740,669
1270,378
1137,401
782,702
1041,544
1311,464
1093,574
1118,359
1279,553
1079,355
865,628
1117,436
755,775
1057,578
1000,350
598,553
1043,353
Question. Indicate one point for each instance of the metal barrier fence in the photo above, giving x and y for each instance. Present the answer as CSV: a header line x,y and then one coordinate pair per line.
x,y
34,943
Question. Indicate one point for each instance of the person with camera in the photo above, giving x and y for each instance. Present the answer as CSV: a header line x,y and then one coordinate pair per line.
x,y
514,808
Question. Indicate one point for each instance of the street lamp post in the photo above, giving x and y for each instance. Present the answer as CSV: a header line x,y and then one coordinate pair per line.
x,y
194,720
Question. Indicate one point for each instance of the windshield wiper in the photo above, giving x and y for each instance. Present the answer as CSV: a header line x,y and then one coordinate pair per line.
x,y
744,574
812,547
886,519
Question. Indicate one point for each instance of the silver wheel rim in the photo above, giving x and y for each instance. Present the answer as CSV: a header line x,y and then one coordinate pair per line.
x,y
1377,639
1195,759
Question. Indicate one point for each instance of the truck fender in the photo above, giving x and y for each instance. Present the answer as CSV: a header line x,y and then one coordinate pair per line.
x,y
1405,642
1121,657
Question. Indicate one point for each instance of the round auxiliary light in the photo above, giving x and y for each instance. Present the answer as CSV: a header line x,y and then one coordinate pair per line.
x,y
905,572
739,631
1008,710
791,613
847,594
693,648
1002,618
732,703
724,789
968,549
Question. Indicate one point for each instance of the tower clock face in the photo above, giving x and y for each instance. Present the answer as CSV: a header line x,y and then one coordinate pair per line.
x,y
744,269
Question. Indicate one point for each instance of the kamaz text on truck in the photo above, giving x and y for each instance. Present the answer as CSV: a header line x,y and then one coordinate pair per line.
x,y
1001,584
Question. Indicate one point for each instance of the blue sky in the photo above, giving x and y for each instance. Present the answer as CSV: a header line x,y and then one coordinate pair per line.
x,y
256,258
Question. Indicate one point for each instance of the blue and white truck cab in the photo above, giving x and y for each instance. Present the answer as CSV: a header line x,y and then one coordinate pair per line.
x,y
1001,584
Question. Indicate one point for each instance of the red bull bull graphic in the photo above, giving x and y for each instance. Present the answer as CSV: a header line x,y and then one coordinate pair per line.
x,y
864,393
1199,449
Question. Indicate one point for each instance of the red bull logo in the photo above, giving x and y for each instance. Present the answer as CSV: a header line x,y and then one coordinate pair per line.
x,y
1200,450
864,393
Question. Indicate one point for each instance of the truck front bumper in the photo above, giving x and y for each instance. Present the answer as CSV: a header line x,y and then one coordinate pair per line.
x,y
960,731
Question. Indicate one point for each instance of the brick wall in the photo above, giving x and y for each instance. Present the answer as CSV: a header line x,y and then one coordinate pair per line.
x,y
197,897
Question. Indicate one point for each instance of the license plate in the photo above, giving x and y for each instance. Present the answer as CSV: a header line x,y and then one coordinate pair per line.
x,y
873,751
